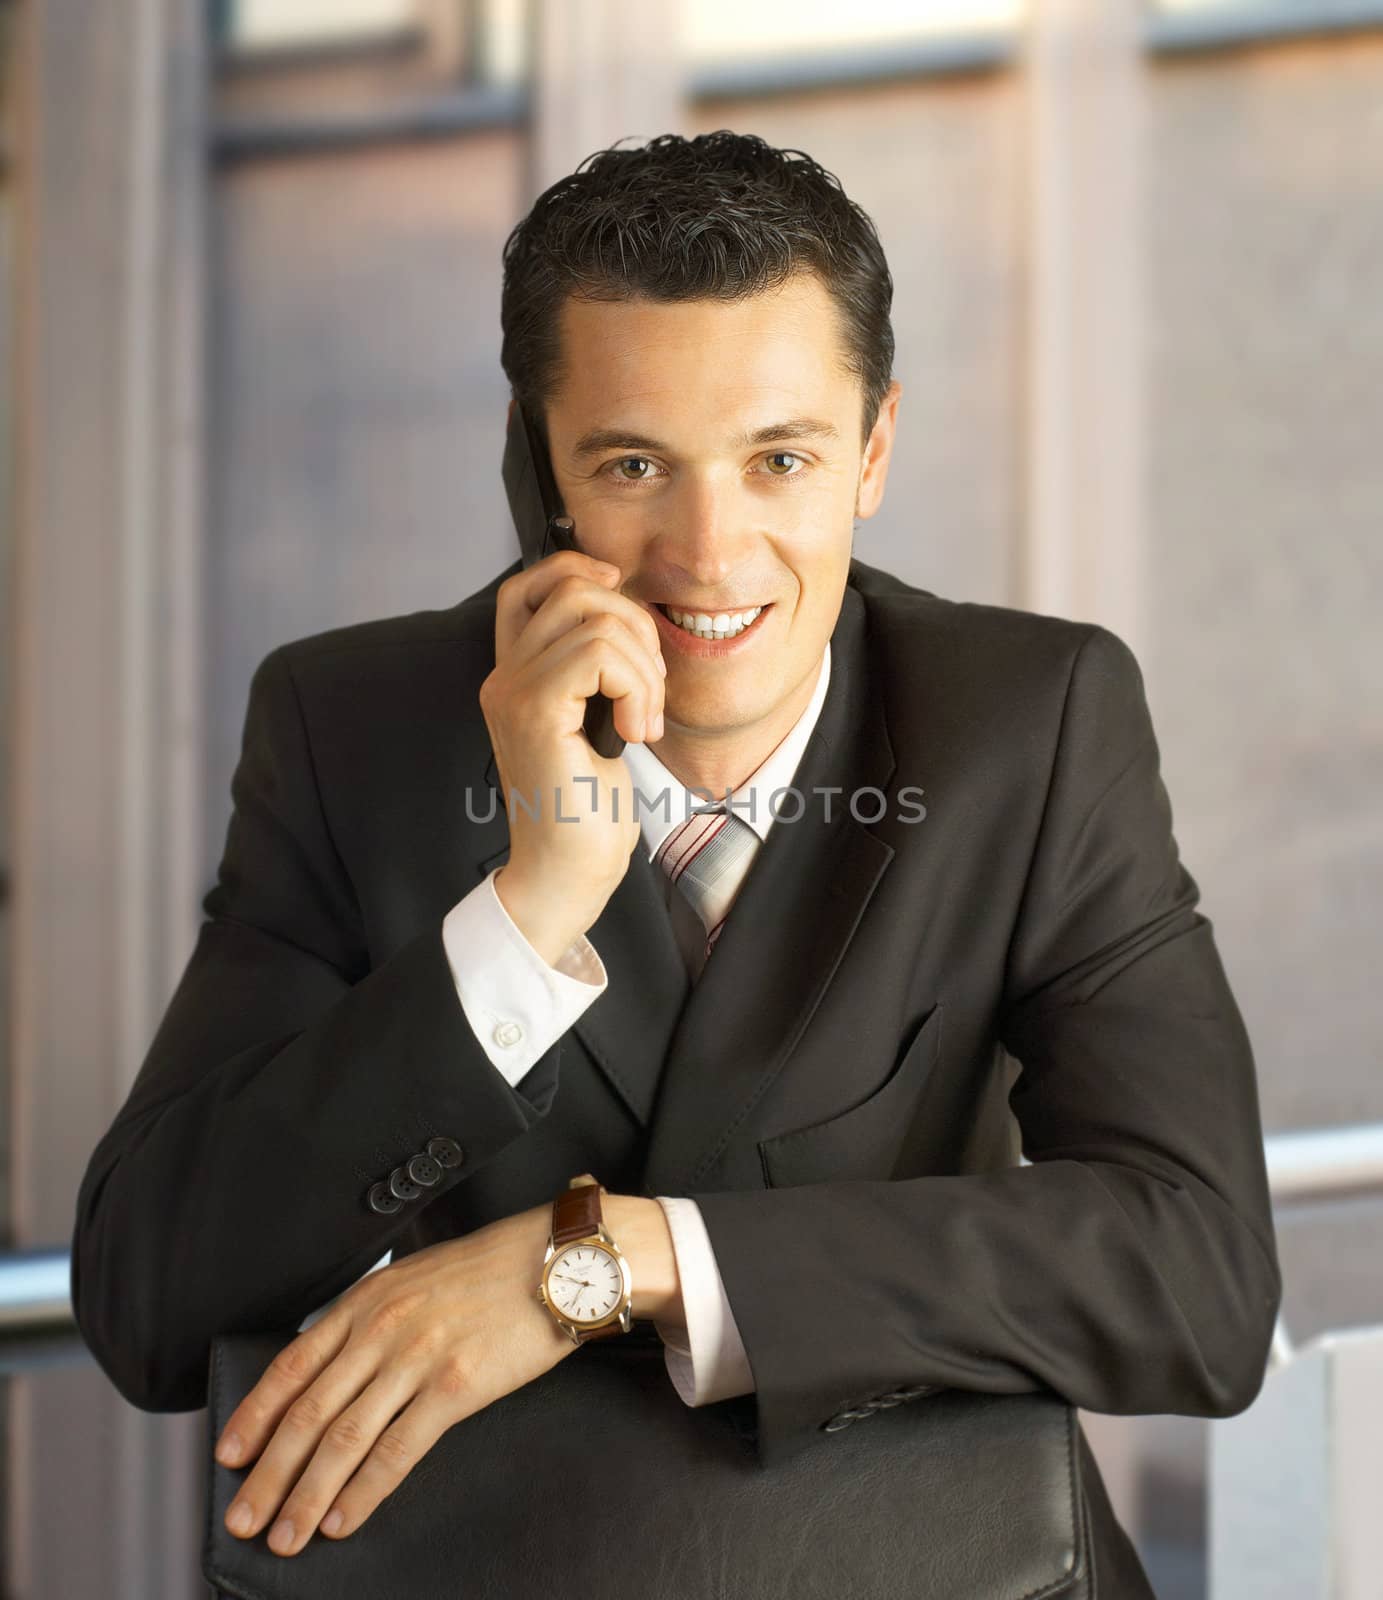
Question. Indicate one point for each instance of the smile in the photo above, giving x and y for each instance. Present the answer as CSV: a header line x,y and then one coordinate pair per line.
x,y
709,634
720,625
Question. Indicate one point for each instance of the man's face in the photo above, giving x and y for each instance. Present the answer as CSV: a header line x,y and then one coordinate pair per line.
x,y
654,460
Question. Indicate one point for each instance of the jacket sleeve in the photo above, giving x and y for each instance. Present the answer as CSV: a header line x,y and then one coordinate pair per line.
x,y
1132,1267
500,977
286,1078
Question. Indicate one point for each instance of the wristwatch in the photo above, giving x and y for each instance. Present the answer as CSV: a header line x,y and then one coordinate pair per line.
x,y
586,1283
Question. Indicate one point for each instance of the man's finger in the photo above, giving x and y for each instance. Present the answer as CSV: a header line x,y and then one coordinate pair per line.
x,y
520,595
398,1449
292,1370
296,1437
351,1437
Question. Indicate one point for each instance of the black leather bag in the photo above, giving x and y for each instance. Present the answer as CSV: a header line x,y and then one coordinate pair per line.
x,y
597,1478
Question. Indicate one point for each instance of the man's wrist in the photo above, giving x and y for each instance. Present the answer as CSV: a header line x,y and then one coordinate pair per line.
x,y
537,917
639,1227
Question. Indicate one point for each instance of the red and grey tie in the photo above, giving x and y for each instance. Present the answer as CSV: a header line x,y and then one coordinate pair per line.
x,y
706,857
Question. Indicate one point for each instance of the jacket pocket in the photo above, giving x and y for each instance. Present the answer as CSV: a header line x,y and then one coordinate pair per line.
x,y
865,1141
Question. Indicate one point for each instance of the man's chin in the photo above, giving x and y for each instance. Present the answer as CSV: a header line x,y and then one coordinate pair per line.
x,y
704,719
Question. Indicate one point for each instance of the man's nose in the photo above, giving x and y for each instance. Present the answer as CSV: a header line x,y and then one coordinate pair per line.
x,y
710,534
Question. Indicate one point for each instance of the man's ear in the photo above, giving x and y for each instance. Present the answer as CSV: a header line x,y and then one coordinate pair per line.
x,y
509,415
877,452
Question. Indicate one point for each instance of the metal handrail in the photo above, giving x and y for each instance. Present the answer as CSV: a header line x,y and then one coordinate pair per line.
x,y
35,1291
1312,1164
1321,1164
1325,1163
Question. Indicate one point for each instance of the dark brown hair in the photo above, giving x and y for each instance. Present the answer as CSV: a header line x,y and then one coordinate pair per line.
x,y
720,216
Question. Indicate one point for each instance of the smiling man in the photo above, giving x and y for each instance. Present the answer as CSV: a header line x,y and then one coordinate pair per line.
x,y
493,1044
722,477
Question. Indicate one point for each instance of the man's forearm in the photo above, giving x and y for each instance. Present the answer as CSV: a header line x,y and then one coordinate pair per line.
x,y
640,1228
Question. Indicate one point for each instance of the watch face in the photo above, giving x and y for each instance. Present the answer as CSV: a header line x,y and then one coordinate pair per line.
x,y
584,1282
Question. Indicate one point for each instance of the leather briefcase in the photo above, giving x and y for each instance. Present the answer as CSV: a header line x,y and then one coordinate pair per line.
x,y
597,1478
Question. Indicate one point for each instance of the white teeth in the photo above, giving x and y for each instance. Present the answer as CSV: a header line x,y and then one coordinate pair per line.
x,y
724,625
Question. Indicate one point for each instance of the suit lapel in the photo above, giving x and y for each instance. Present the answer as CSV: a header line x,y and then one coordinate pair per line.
x,y
630,1029
790,925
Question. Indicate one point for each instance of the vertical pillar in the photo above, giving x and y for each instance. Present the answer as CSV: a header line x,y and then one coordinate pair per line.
x,y
1083,538
107,163
599,72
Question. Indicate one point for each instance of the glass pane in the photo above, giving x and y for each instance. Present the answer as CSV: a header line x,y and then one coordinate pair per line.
x,y
726,30
1325,9
253,24
722,31
500,40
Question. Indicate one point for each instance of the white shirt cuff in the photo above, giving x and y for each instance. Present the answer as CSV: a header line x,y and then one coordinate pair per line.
x,y
708,1361
517,1003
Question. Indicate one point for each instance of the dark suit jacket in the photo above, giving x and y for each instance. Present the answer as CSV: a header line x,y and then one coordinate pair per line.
x,y
838,1092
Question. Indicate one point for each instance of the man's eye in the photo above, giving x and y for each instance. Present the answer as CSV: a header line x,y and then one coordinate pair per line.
x,y
646,476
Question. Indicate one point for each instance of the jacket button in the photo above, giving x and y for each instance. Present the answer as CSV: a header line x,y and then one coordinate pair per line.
x,y
383,1200
898,1397
402,1185
445,1152
424,1170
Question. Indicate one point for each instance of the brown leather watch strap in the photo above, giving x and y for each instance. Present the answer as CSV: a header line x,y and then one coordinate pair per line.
x,y
576,1213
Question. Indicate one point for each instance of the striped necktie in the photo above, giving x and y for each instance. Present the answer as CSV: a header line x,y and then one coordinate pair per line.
x,y
706,857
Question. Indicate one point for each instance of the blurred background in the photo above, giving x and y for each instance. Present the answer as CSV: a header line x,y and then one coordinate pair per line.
x,y
250,389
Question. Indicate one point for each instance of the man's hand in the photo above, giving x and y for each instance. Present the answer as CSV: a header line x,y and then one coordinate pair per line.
x,y
563,632
350,1405
347,1409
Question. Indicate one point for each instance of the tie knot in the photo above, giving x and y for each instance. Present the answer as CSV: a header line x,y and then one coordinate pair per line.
x,y
694,844
707,857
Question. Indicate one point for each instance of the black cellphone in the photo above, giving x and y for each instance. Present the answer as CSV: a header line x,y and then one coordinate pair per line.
x,y
543,526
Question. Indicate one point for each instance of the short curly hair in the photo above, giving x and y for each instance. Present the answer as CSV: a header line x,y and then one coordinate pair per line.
x,y
721,216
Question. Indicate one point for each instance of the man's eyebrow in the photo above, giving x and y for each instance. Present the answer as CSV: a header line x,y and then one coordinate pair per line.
x,y
598,440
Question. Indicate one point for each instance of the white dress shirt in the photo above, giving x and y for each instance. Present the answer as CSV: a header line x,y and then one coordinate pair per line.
x,y
519,1005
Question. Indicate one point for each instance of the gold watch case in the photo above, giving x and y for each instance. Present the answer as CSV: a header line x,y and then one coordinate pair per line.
x,y
622,1313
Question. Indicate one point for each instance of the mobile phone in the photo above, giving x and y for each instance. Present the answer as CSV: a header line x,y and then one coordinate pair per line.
x,y
543,526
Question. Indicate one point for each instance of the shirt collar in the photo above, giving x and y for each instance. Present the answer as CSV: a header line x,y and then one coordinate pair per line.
x,y
750,801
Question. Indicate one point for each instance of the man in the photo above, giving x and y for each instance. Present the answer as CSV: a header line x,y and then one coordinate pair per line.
x,y
413,1016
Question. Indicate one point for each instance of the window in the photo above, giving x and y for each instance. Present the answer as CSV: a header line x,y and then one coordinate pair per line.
x,y
716,31
277,24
